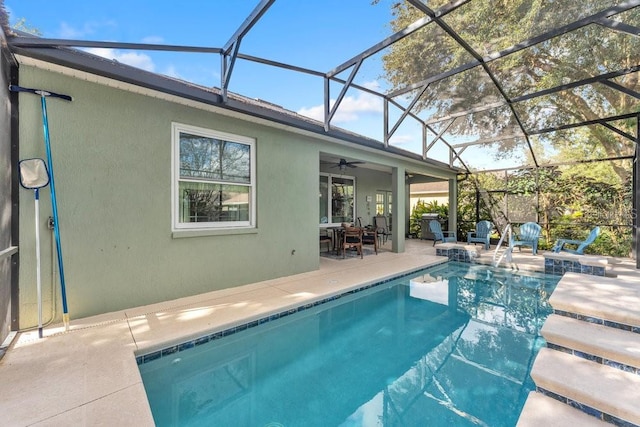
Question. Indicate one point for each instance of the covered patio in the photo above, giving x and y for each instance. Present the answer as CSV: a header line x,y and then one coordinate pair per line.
x,y
500,100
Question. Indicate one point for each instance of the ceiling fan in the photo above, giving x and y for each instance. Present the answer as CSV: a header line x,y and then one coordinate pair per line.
x,y
343,164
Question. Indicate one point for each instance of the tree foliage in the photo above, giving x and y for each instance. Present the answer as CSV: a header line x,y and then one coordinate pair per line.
x,y
566,200
493,25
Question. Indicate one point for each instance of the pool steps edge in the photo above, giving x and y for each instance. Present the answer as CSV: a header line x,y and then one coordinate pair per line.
x,y
592,361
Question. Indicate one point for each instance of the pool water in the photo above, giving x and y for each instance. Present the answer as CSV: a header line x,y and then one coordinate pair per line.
x,y
449,346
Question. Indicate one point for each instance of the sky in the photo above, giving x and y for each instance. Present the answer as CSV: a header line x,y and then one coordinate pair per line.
x,y
314,34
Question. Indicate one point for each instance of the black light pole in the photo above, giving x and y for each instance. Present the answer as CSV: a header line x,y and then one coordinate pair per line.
x,y
636,196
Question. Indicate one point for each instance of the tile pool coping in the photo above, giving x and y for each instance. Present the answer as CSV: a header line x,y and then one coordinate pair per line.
x,y
173,349
176,348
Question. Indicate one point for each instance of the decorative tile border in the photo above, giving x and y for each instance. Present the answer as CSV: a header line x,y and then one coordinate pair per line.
x,y
587,409
561,266
553,264
598,321
597,359
456,254
230,331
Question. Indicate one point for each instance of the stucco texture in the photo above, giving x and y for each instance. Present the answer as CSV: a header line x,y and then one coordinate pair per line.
x,y
112,168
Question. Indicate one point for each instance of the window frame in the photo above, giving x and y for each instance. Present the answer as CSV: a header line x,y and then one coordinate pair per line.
x,y
176,225
330,177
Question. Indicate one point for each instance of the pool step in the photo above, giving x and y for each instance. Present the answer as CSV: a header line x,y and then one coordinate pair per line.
x,y
541,410
598,343
606,300
602,391
592,360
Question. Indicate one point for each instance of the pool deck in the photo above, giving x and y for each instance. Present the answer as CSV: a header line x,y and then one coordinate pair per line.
x,y
89,376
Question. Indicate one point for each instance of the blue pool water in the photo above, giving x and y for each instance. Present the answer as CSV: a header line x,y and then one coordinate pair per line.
x,y
448,346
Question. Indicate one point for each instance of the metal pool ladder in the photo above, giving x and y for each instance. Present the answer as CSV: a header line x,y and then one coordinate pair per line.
x,y
501,253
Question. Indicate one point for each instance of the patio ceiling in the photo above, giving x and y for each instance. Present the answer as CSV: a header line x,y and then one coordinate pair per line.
x,y
478,84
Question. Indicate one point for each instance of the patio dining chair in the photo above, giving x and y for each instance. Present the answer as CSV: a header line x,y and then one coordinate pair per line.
x,y
382,227
325,238
581,244
439,235
352,239
370,237
482,234
527,236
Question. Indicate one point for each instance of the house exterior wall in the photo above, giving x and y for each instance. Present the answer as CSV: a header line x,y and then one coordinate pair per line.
x,y
112,167
8,253
429,192
429,197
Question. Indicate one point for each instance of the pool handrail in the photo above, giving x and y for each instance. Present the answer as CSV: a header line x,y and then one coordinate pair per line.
x,y
507,252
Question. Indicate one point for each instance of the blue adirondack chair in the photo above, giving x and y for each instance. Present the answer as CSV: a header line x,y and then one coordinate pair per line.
x,y
439,235
528,236
581,244
482,233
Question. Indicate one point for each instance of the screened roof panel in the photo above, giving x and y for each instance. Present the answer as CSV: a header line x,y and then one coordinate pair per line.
x,y
405,134
492,26
359,112
485,124
574,106
560,61
486,76
421,64
505,154
628,81
629,17
438,150
588,143
628,126
285,32
443,98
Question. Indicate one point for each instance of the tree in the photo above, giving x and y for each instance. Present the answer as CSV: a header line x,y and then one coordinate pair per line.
x,y
488,27
20,25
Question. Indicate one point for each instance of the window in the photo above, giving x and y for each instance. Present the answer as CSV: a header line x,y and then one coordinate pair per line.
x,y
214,176
384,203
337,199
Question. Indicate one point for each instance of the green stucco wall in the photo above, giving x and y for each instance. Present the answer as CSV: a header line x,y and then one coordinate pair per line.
x,y
112,164
8,256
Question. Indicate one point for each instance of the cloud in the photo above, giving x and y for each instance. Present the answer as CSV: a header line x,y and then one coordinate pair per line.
x,y
351,108
67,31
171,71
135,59
153,40
404,139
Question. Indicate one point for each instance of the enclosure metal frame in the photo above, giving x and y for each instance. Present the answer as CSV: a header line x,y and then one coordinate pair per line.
x,y
230,53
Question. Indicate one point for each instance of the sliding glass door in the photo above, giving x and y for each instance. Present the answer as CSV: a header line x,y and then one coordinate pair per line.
x,y
337,199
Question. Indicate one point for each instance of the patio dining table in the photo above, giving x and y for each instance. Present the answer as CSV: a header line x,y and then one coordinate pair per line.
x,y
337,236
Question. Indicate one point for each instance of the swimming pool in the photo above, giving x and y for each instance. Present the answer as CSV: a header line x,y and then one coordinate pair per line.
x,y
450,345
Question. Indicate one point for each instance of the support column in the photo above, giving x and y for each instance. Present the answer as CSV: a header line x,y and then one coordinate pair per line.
x,y
453,205
635,249
398,219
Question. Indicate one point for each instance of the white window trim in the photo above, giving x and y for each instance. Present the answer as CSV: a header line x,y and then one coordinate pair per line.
x,y
330,207
176,226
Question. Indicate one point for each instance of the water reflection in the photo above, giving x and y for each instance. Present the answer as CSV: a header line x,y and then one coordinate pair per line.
x,y
449,347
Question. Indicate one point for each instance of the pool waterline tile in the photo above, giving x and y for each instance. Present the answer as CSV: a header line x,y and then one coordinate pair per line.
x,y
144,358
